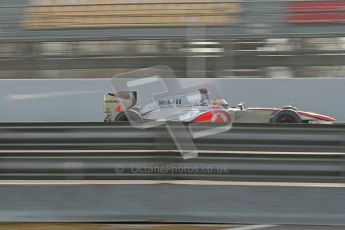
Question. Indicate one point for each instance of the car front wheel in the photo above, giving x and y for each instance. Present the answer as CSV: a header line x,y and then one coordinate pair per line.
x,y
287,116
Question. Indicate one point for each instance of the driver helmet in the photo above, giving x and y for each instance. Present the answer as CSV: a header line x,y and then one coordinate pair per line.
x,y
221,102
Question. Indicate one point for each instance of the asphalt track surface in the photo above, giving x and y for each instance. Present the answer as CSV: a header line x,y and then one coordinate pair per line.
x,y
191,202
95,226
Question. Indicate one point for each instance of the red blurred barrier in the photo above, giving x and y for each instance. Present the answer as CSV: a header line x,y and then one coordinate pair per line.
x,y
316,12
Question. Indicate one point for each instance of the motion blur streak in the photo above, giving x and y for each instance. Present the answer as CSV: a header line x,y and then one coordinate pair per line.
x,y
47,95
167,151
46,14
252,227
173,182
95,39
76,226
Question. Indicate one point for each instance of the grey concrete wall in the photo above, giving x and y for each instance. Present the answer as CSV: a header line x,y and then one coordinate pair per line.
x,y
82,100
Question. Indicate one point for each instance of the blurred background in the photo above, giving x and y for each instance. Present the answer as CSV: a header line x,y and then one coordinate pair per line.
x,y
197,38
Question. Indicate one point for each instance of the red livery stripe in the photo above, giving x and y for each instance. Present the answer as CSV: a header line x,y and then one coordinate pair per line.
x,y
316,116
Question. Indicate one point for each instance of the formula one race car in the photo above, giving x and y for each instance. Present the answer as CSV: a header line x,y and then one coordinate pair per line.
x,y
197,107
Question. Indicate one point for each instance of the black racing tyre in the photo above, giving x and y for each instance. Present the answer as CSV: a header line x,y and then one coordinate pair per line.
x,y
286,116
129,115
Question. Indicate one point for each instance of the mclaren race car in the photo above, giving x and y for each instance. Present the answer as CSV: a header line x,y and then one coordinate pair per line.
x,y
197,107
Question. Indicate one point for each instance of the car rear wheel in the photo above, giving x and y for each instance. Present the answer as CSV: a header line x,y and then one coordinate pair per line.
x,y
129,115
287,116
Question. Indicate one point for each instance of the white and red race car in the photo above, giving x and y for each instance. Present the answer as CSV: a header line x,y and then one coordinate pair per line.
x,y
197,107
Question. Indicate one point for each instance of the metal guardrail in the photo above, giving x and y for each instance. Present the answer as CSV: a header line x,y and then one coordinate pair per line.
x,y
297,153
266,137
278,174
